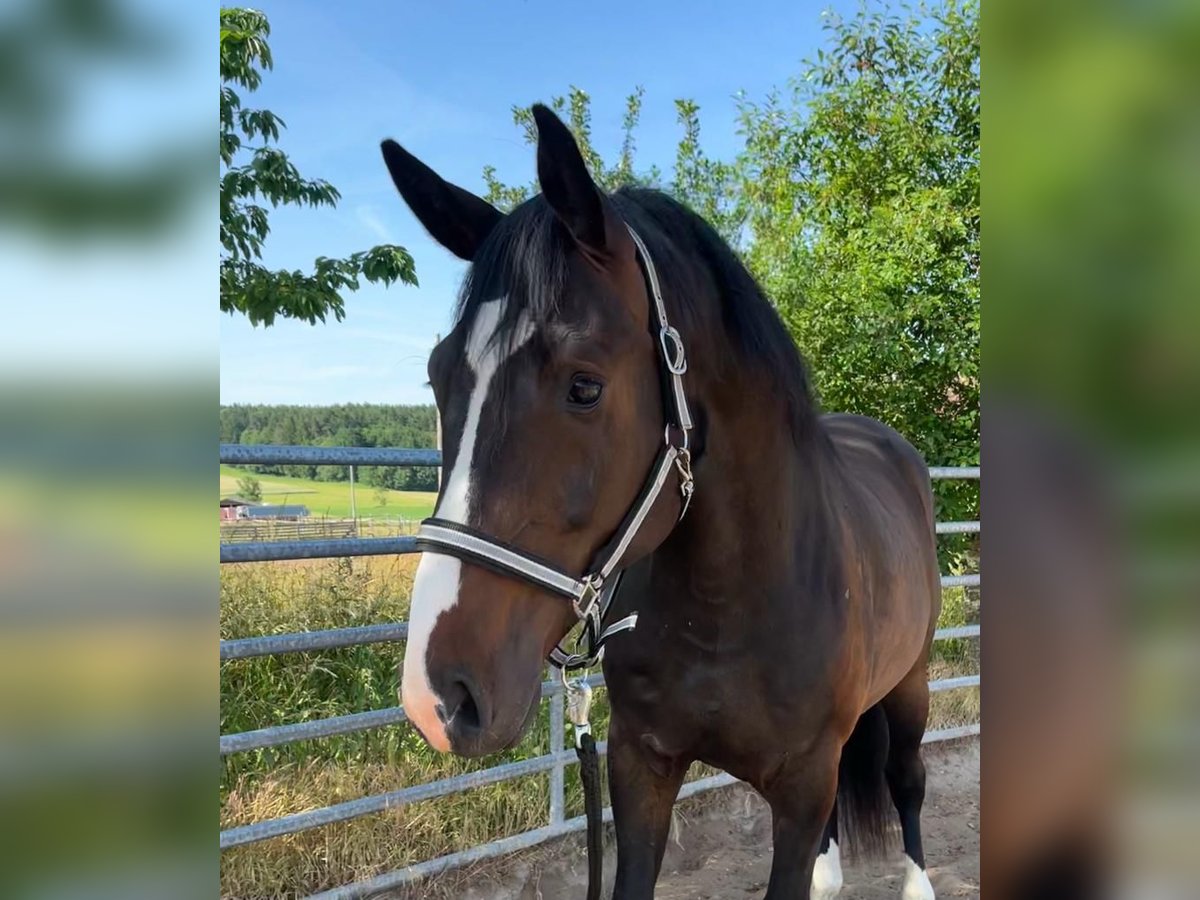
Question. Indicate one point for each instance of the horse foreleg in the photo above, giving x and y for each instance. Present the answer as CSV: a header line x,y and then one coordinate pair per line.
x,y
801,802
643,786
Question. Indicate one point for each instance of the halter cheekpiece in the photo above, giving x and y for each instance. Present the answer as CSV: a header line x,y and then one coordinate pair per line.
x,y
591,595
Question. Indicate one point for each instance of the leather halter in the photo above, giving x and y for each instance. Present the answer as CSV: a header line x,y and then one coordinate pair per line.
x,y
591,594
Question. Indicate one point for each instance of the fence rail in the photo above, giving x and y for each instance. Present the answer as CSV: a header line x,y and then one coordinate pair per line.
x,y
267,551
554,763
260,530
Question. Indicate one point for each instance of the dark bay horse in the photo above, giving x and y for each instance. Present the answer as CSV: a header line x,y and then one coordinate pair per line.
x,y
784,623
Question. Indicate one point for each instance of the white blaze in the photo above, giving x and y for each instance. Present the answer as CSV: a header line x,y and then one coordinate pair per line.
x,y
827,874
435,588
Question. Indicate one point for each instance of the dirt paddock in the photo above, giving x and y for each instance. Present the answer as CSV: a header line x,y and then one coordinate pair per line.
x,y
721,847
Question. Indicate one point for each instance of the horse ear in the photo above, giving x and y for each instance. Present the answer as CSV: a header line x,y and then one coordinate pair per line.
x,y
566,184
455,218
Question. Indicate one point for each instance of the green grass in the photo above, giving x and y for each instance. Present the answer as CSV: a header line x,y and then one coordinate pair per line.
x,y
332,498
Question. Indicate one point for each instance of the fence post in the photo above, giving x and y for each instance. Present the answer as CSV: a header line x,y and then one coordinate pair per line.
x,y
557,739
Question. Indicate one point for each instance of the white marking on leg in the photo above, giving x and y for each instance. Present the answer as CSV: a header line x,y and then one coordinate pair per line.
x,y
827,874
436,585
916,882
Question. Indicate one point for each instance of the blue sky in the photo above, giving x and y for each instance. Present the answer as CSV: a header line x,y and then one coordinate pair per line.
x,y
107,303
441,78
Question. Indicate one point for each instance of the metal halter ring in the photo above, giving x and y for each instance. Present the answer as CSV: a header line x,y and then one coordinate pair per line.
x,y
674,356
683,448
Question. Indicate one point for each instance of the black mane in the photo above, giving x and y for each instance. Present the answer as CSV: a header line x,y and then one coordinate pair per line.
x,y
525,258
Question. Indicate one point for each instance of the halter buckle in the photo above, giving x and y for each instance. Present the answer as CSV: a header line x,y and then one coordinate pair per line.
x,y
585,604
674,355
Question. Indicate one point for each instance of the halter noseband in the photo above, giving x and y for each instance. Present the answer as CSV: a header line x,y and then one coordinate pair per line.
x,y
592,594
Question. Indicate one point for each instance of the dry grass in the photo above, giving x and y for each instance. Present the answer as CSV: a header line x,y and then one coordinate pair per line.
x,y
282,597
264,784
950,708
326,857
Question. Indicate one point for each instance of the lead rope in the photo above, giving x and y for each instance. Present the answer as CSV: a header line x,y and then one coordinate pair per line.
x,y
579,704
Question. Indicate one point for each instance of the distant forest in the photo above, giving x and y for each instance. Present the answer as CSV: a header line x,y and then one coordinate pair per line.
x,y
350,425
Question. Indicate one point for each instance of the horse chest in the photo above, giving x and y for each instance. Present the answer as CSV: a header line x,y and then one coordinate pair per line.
x,y
667,693
719,685
683,694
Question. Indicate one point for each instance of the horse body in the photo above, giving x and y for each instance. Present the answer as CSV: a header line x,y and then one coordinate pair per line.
x,y
784,622
777,614
818,616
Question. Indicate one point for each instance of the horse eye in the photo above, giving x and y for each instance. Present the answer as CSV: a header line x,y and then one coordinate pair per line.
x,y
585,392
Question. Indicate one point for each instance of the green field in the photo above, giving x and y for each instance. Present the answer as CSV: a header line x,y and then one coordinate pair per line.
x,y
332,498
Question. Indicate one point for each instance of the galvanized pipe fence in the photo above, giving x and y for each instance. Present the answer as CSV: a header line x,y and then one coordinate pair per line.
x,y
553,763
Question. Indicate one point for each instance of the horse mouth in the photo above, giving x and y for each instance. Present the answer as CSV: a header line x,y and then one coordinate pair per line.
x,y
497,741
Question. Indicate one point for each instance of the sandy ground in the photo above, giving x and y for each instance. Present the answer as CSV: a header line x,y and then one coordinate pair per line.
x,y
731,855
721,848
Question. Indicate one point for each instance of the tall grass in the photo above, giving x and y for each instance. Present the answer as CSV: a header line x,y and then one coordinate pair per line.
x,y
272,598
295,687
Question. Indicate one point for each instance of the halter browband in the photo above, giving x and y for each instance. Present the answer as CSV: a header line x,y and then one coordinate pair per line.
x,y
592,594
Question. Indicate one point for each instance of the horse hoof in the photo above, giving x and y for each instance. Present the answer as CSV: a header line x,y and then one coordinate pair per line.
x,y
916,883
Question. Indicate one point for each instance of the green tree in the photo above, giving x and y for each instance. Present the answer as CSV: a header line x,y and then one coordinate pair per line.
x,y
862,195
250,488
255,171
855,203
345,425
709,186
576,109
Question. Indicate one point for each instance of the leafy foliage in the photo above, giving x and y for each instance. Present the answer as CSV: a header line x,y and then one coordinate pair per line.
x,y
269,177
576,109
710,187
862,194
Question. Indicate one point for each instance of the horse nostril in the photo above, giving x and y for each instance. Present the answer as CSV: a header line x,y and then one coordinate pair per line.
x,y
459,709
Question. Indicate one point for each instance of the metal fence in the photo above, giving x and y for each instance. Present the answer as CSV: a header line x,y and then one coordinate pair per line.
x,y
268,530
554,763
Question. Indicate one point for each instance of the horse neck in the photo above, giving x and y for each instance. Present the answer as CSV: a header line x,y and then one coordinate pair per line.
x,y
758,486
